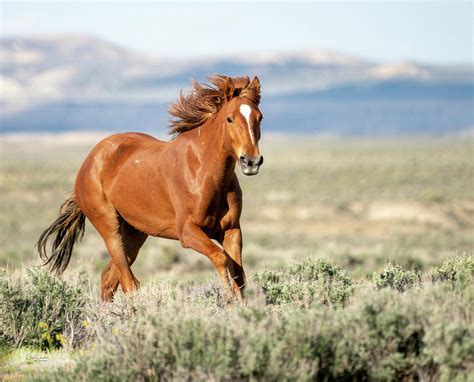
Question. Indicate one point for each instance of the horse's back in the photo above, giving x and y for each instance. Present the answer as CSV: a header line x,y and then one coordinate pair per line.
x,y
117,147
110,154
129,139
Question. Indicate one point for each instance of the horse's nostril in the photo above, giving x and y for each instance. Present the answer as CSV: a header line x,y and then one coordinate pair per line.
x,y
249,161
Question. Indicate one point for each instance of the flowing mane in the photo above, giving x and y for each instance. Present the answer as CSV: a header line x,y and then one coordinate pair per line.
x,y
193,109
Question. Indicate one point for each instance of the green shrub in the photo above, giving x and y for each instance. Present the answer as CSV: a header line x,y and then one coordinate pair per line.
x,y
458,271
397,278
383,336
177,331
40,310
450,345
313,280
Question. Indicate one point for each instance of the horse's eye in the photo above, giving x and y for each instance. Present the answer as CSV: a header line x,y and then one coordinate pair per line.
x,y
260,118
230,120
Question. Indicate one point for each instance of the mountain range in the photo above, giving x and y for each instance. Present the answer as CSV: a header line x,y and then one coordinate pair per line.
x,y
75,82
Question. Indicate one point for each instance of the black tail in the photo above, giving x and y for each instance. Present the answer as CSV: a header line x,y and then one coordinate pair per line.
x,y
67,229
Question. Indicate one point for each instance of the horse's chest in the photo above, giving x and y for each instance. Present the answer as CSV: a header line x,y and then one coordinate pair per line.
x,y
212,210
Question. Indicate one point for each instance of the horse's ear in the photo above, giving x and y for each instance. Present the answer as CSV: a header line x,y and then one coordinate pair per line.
x,y
255,85
229,88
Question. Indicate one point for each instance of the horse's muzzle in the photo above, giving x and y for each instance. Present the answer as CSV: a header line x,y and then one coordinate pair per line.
x,y
250,165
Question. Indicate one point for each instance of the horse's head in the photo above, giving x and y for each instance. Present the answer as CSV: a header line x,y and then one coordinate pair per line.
x,y
243,119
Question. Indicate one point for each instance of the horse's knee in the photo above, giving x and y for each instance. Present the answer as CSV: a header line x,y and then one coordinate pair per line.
x,y
219,260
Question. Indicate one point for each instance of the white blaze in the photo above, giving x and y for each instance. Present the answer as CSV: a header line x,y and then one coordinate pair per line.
x,y
245,110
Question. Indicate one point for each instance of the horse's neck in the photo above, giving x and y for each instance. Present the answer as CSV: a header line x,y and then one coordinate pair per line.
x,y
217,145
213,146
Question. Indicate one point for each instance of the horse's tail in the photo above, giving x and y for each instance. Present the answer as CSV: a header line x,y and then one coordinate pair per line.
x,y
67,229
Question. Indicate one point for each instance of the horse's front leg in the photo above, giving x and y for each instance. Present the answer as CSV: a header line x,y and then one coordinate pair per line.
x,y
192,236
233,247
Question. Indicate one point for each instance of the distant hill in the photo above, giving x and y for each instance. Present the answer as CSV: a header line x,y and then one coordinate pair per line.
x,y
83,83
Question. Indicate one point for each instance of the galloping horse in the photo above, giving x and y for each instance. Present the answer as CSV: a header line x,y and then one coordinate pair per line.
x,y
132,185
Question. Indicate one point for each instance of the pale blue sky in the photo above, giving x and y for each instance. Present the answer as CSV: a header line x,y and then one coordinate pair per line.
x,y
422,31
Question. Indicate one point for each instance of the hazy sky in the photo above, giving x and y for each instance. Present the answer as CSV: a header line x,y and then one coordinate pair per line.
x,y
422,31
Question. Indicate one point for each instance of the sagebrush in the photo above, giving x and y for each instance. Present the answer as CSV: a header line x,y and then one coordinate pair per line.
x,y
331,328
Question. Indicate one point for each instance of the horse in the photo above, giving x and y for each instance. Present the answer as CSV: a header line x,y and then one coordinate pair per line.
x,y
132,185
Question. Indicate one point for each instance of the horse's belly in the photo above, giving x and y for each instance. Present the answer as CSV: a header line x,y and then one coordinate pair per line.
x,y
144,204
151,222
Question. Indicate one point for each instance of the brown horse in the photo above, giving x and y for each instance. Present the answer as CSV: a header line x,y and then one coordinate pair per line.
x,y
132,185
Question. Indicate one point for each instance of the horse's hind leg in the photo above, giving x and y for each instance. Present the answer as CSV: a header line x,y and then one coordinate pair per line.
x,y
107,222
132,241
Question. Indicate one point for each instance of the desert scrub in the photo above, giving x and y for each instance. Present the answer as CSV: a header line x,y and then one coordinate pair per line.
x,y
397,278
313,280
41,311
380,335
458,271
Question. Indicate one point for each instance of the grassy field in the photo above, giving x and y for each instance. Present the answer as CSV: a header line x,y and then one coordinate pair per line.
x,y
358,254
